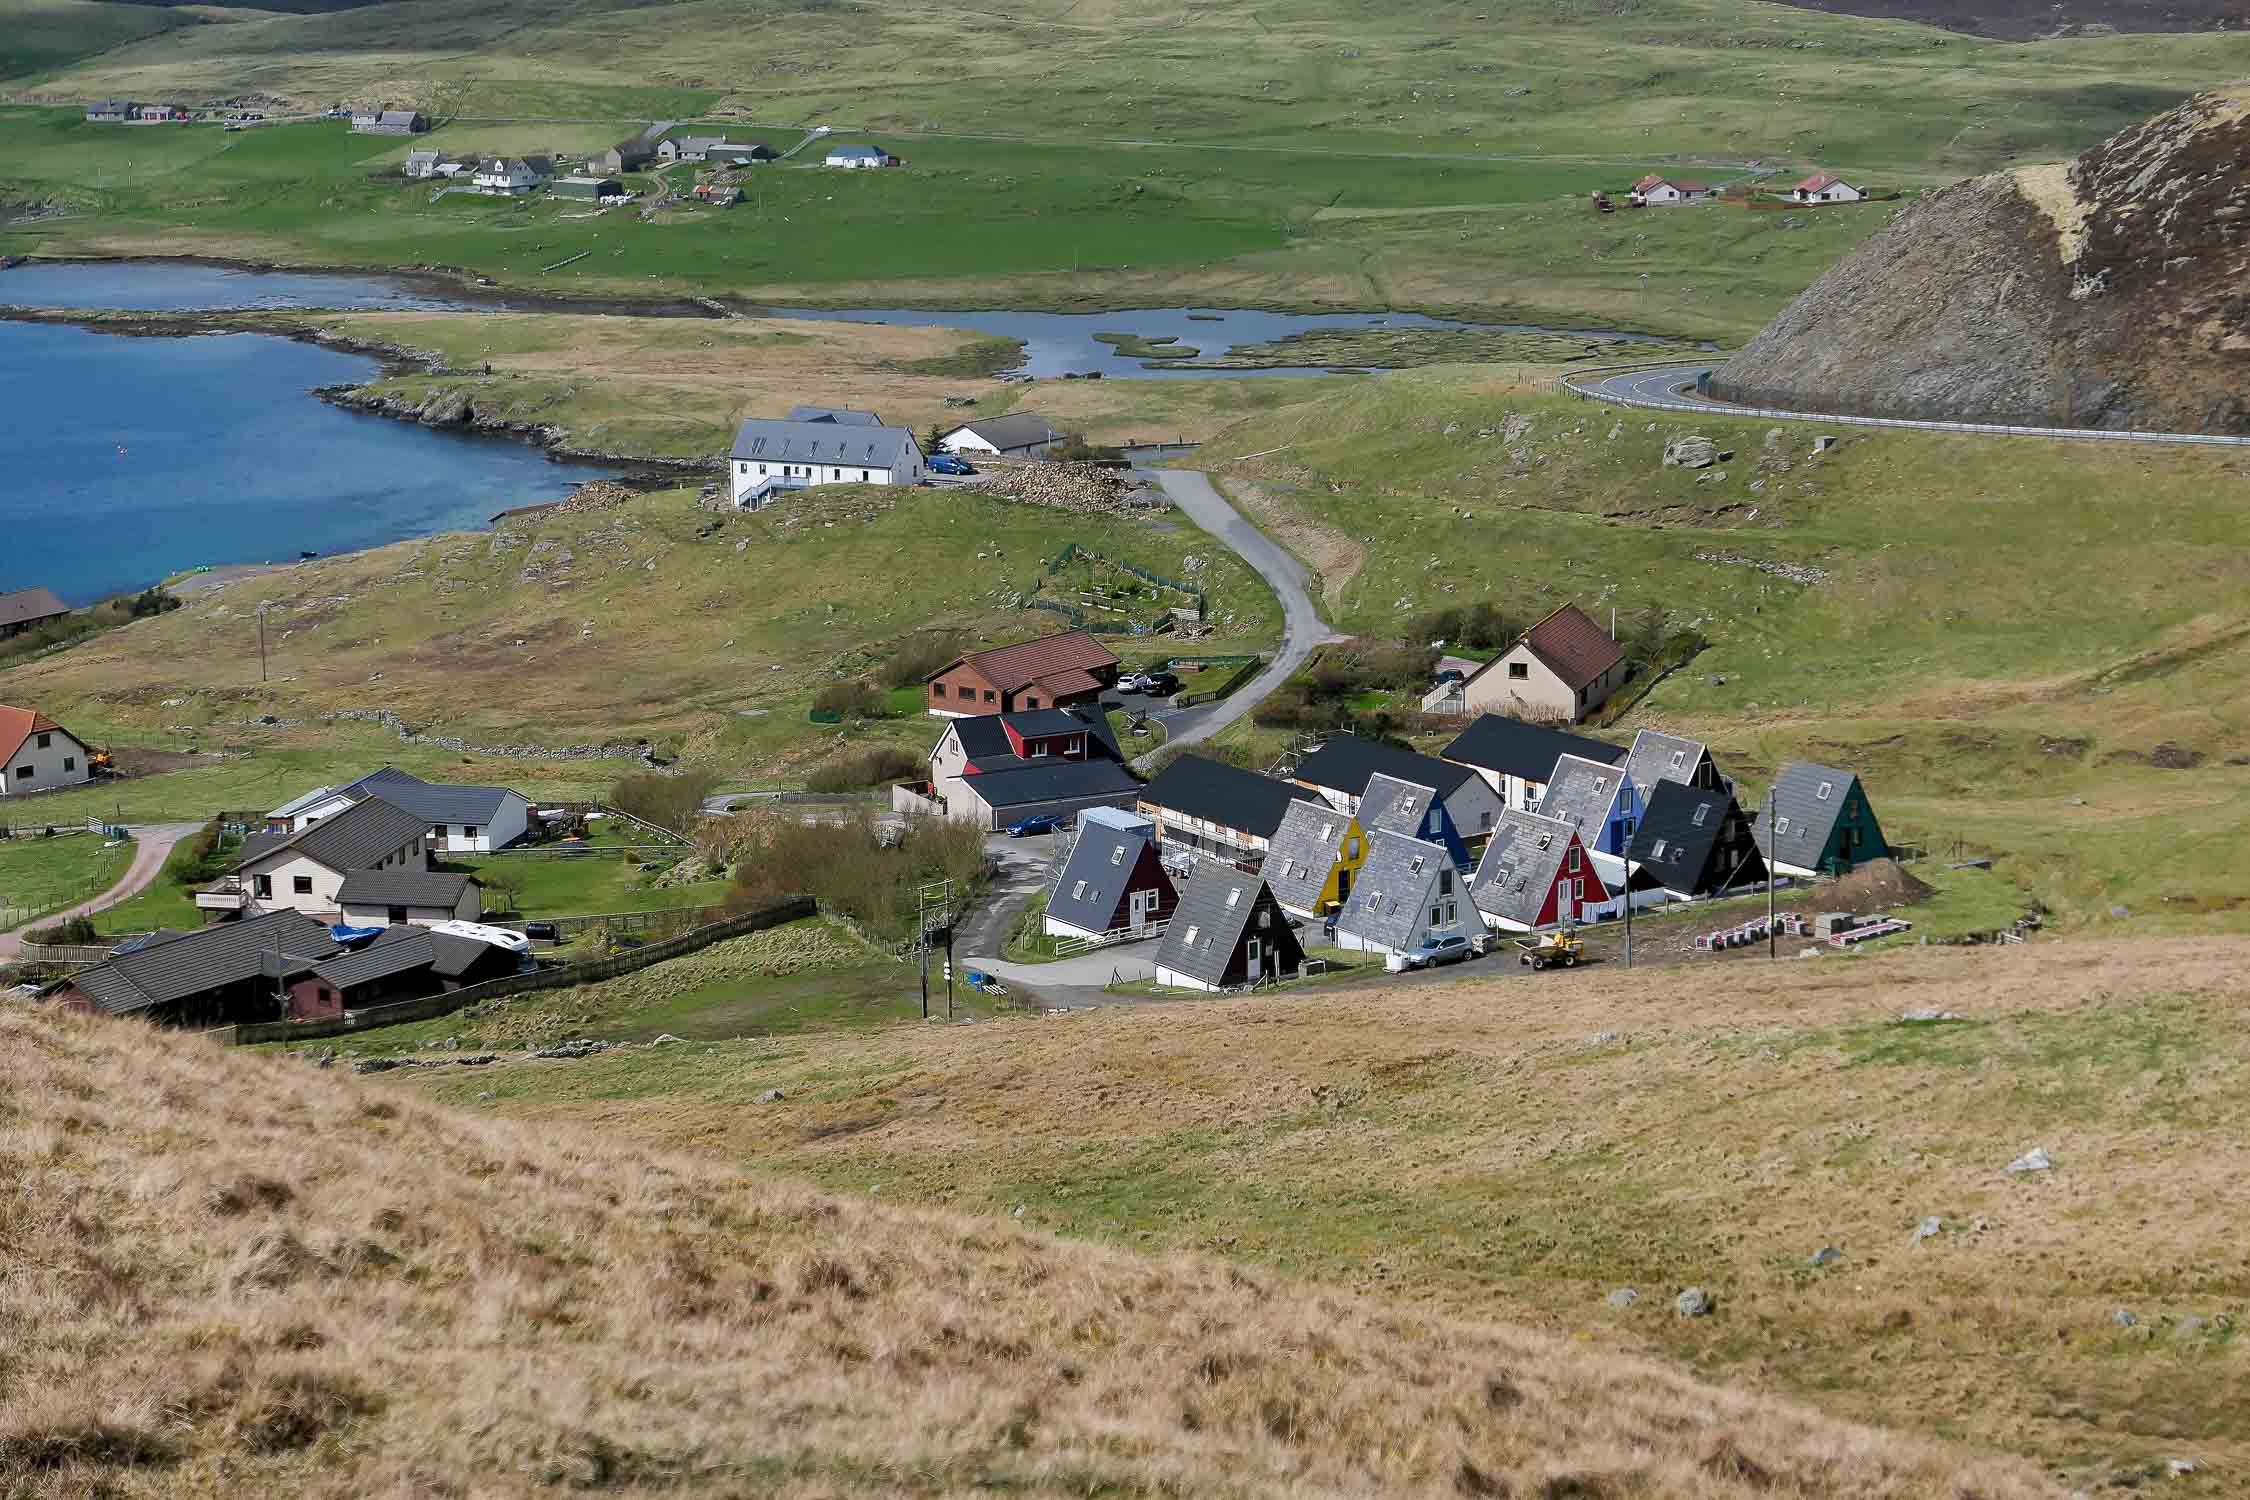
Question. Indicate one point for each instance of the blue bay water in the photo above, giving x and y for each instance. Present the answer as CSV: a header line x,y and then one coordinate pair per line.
x,y
124,459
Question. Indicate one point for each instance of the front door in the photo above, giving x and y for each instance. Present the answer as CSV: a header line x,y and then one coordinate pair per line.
x,y
1256,964
1143,903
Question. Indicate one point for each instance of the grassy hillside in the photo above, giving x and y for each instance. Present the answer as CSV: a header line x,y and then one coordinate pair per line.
x,y
1523,1147
2032,648
223,1254
651,619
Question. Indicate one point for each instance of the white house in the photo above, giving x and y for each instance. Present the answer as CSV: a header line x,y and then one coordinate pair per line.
x,y
1407,894
1653,190
305,871
462,819
859,156
1825,187
1020,434
39,753
1559,671
505,177
771,457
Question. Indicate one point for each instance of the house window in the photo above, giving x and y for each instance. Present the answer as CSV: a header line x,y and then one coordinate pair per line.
x,y
1518,671
1627,825
1038,749
45,740
1545,839
1701,812
1601,783
1265,919
1573,865
1486,816
987,694
1437,915
1578,889
1117,855
1031,703
1825,787
70,762
264,887
301,884
395,914
1406,804
937,689
1445,882
1452,910
23,773
1415,868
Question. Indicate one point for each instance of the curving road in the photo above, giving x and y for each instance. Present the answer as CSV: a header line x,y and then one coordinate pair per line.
x,y
152,845
1672,388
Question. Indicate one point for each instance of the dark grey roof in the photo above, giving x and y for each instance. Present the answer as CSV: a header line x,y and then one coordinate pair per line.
x,y
1215,909
1051,781
834,416
1581,792
1346,761
457,955
353,839
1094,879
984,736
1686,823
1811,817
1513,878
208,959
1657,756
1390,895
1303,852
380,959
25,605
1018,429
824,441
1226,795
1400,806
434,802
405,887
255,844
1511,747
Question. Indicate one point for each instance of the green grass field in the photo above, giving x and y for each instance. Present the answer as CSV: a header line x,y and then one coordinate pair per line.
x,y
552,886
41,875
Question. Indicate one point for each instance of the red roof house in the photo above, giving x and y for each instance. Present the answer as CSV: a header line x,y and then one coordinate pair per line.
x,y
1055,671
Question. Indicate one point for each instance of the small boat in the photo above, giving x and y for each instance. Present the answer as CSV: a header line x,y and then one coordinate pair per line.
x,y
308,555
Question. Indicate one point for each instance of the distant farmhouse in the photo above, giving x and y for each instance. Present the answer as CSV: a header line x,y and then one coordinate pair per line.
x,y
1560,670
818,445
625,156
716,148
155,114
1825,187
430,162
1653,190
860,156
1018,434
36,753
28,609
111,111
389,122
506,177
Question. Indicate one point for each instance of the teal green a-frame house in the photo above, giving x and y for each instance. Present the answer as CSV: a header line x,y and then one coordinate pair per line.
x,y
1822,822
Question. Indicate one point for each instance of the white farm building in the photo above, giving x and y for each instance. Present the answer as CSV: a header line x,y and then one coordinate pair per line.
x,y
859,156
818,445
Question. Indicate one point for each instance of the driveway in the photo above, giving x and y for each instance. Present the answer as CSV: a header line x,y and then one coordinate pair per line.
x,y
152,845
1672,388
1302,627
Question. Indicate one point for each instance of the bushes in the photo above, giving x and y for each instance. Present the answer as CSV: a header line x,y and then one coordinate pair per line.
x,y
924,653
77,930
673,801
1074,449
848,871
851,700
1474,627
1320,696
876,766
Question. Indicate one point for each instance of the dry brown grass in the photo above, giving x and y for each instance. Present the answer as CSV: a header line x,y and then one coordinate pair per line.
x,y
238,1275
1471,1147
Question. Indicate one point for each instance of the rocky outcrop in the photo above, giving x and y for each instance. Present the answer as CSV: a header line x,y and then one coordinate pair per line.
x,y
455,406
2110,292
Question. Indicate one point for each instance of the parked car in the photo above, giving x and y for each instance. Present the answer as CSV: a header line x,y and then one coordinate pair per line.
x,y
1036,823
946,463
1135,682
1163,684
1445,950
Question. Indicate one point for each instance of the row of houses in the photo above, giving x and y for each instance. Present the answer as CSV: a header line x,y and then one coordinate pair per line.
x,y
132,112
1654,191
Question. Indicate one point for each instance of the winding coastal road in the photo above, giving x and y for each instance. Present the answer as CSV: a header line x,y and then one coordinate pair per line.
x,y
152,845
1672,388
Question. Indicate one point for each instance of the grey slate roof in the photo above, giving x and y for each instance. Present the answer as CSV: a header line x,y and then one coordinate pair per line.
x,y
379,960
1051,781
1226,795
1512,747
1390,895
208,959
25,605
1346,761
1686,823
1515,875
1396,806
1103,860
1811,817
763,440
402,888
1018,429
836,416
1304,850
299,803
1216,907
352,840
1580,793
1657,757
456,955
433,802
255,844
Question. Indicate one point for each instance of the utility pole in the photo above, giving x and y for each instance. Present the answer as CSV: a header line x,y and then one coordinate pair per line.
x,y
1628,911
1773,939
261,643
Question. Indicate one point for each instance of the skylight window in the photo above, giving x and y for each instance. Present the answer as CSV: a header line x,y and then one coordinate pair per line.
x,y
1234,897
1545,839
1679,759
1415,868
1192,931
1117,855
1658,851
1328,830
1702,811
1825,788
1078,890
1781,825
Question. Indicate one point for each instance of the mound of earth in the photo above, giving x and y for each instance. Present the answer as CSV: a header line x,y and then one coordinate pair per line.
x,y
1879,885
2110,292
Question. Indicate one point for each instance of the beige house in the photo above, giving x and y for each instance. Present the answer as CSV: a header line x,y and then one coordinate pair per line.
x,y
1561,670
36,753
403,895
306,871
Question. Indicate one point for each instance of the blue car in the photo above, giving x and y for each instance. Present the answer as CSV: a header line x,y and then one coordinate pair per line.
x,y
946,463
1036,823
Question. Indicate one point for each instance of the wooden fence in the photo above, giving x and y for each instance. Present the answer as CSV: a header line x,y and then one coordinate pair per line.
x,y
73,955
566,977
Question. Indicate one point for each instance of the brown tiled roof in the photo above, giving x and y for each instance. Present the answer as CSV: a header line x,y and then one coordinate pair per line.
x,y
20,724
26,605
1076,680
1011,667
1817,181
1574,648
1651,180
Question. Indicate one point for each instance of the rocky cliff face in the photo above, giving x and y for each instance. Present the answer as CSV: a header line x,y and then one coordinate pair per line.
x,y
2111,292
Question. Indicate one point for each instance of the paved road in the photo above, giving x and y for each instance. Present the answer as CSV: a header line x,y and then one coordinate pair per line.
x,y
153,844
1302,627
1672,388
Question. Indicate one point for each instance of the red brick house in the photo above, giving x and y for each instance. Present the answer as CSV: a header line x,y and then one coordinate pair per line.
x,y
1055,671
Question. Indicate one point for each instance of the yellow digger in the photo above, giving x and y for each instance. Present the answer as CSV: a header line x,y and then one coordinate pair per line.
x,y
1552,950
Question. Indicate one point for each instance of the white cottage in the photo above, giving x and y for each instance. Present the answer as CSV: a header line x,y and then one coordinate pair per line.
x,y
36,753
813,446
1825,187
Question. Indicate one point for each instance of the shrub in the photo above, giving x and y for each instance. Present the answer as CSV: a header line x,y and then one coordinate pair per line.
x,y
1475,627
848,871
877,766
78,930
850,700
671,800
923,654
1074,449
